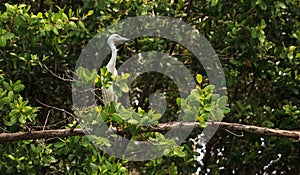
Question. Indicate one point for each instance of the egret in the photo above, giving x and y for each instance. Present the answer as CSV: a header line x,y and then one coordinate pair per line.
x,y
108,94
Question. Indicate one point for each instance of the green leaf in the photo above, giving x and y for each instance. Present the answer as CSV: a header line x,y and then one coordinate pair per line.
x,y
5,100
11,157
178,101
261,37
292,48
136,116
21,6
258,2
13,120
59,144
214,3
9,7
124,87
27,110
209,88
125,115
208,107
195,94
253,34
20,21
90,12
282,5
117,118
2,41
117,90
54,30
226,110
263,5
10,95
201,121
80,23
189,115
214,97
205,116
39,15
125,76
263,23
290,55
202,124
9,35
22,119
156,117
199,78
72,24
93,166
217,114
14,113
140,111
132,121
179,152
222,102
19,87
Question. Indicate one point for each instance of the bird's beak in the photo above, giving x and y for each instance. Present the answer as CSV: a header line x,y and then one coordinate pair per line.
x,y
125,39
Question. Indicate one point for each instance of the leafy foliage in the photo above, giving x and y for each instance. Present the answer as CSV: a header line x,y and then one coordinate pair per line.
x,y
257,42
15,112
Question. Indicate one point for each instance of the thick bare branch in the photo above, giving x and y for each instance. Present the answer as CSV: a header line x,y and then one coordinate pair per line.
x,y
9,137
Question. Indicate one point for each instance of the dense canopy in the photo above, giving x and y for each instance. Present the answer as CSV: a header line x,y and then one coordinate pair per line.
x,y
258,45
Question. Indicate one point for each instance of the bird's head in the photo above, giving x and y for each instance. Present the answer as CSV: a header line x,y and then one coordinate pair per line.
x,y
112,39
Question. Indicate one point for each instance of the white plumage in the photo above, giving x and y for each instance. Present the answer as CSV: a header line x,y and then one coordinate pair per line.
x,y
108,94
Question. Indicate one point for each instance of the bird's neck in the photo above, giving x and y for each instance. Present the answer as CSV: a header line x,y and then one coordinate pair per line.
x,y
113,60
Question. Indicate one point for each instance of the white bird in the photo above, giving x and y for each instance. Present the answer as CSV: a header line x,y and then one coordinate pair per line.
x,y
108,94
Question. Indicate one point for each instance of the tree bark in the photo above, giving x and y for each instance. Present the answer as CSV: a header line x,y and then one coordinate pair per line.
x,y
9,137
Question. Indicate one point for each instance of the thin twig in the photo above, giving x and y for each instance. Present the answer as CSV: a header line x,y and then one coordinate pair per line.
x,y
57,76
52,125
98,97
56,108
237,135
46,120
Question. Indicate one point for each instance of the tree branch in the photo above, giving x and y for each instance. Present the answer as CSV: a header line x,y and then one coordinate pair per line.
x,y
9,137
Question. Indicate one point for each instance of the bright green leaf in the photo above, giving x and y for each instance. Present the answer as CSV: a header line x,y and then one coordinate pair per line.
x,y
11,157
90,12
199,78
9,7
80,23
125,76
